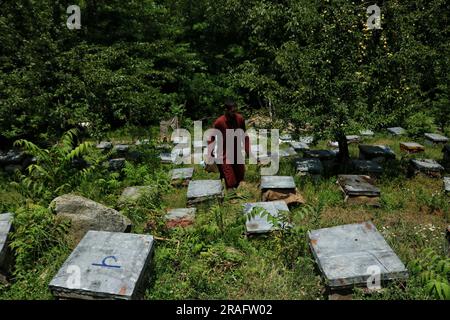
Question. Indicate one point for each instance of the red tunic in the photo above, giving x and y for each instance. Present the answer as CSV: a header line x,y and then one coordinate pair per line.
x,y
231,171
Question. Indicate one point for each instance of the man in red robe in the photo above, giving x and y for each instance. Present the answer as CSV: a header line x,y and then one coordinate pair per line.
x,y
232,166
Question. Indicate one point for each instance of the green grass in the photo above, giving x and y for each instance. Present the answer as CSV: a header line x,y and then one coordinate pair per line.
x,y
214,259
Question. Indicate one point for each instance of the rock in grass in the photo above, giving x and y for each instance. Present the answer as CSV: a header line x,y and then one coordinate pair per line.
x,y
85,214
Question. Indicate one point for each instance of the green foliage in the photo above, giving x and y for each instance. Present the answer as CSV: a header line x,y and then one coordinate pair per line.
x,y
36,232
420,123
54,173
433,271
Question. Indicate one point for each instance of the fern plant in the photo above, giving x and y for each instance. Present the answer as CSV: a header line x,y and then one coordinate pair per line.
x,y
433,271
54,173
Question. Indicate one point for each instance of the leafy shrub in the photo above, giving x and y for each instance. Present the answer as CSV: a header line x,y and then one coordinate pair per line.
x,y
36,232
420,123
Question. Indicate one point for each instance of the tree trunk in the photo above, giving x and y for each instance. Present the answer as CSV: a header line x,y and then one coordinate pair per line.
x,y
344,154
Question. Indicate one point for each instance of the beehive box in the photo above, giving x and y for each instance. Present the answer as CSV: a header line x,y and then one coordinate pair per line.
x,y
181,217
106,265
321,154
358,189
204,190
377,153
345,254
435,138
428,167
182,175
311,167
259,223
369,167
299,146
6,256
396,131
411,147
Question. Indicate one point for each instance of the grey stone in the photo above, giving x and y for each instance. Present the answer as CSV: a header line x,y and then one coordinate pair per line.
x,y
180,217
436,138
306,139
142,142
104,145
377,153
12,157
277,182
397,131
85,215
427,165
345,255
367,133
181,213
121,148
111,266
182,173
321,154
357,185
299,146
259,223
132,194
286,138
6,256
447,184
116,164
284,153
168,158
204,190
353,139
309,166
367,166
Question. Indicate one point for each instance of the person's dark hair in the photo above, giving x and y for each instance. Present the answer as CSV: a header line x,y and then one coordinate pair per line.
x,y
230,103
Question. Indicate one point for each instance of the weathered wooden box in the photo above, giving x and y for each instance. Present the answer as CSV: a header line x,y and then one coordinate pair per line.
x,y
368,167
182,176
309,167
106,265
396,131
411,147
377,153
428,167
358,189
434,138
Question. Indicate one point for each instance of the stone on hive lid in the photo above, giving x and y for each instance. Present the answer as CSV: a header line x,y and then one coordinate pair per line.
x,y
321,154
182,173
377,153
259,223
6,256
116,164
286,138
411,147
447,184
306,139
142,142
309,166
436,138
277,182
367,166
110,266
427,165
357,185
203,190
284,153
180,217
397,131
367,133
121,148
347,254
167,157
353,139
299,146
104,145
